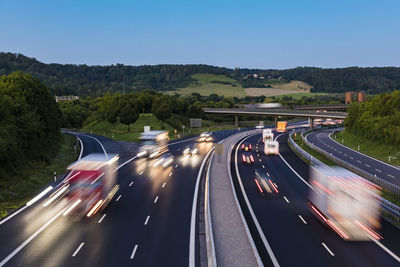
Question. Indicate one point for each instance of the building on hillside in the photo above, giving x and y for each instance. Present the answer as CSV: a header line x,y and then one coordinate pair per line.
x,y
361,97
67,98
348,97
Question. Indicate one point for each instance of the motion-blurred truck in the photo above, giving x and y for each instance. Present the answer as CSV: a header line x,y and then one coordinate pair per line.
x,y
91,184
268,135
271,147
281,126
153,144
345,202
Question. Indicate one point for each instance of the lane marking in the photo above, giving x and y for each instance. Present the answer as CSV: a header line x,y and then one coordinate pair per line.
x,y
102,147
80,153
102,218
176,166
170,174
26,242
118,198
155,200
77,250
140,173
358,161
259,160
326,247
345,154
147,220
385,249
287,200
263,166
391,176
351,157
301,218
164,184
378,170
367,165
134,251
131,184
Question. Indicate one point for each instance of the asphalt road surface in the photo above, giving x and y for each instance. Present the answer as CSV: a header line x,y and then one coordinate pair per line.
x,y
294,234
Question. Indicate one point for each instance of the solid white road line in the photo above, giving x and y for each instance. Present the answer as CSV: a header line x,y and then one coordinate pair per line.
x,y
126,162
326,247
140,173
147,220
131,184
301,218
163,185
118,198
77,250
102,218
385,249
80,153
134,251
26,242
287,200
13,214
102,147
155,200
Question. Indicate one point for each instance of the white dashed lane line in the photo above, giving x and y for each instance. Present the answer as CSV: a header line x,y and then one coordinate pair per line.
x,y
301,218
164,185
263,166
358,161
378,170
77,250
367,165
118,198
155,200
134,251
170,174
141,173
285,198
102,218
351,157
391,176
131,184
326,247
176,166
147,220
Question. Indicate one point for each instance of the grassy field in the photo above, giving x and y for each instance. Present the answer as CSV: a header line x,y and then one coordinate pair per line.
x,y
299,141
207,84
16,191
369,147
300,95
280,88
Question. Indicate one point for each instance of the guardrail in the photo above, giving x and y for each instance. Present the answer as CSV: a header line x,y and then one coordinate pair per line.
x,y
373,178
302,152
389,209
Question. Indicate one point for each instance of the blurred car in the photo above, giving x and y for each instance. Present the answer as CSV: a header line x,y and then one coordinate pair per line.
x,y
265,183
164,160
246,147
190,150
205,137
247,158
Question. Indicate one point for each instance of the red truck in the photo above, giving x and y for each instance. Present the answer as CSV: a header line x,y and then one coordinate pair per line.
x,y
91,184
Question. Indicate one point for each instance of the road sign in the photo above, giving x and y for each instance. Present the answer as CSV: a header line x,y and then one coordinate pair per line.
x,y
195,123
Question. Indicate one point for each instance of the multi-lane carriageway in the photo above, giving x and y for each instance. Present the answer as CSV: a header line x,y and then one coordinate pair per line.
x,y
146,224
295,236
149,220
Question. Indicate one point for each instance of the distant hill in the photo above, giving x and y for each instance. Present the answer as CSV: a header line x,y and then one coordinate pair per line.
x,y
84,80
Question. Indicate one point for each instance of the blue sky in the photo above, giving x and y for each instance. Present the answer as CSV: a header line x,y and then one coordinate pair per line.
x,y
254,34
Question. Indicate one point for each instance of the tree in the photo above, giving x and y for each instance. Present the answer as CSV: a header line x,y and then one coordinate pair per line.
x,y
161,107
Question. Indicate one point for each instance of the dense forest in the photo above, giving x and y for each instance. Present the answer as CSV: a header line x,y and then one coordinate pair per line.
x,y
84,80
377,119
29,123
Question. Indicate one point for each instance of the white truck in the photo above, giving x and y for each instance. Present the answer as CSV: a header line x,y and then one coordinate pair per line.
x,y
268,135
345,202
153,144
271,147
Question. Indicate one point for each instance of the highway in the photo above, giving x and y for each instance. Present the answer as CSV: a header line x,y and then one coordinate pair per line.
x,y
146,224
382,170
294,234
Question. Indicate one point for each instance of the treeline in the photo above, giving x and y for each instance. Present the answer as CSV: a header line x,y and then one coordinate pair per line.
x,y
29,123
86,80
377,119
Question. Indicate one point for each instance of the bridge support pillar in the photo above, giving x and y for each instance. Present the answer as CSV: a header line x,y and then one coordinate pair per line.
x,y
236,121
311,122
276,122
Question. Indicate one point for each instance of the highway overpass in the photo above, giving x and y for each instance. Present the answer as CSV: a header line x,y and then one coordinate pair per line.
x,y
311,115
